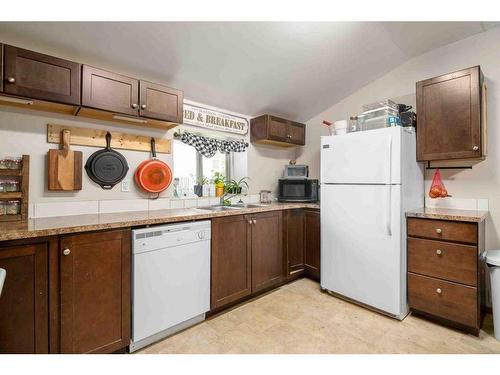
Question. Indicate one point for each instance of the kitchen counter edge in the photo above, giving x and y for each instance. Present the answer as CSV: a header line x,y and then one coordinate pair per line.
x,y
52,226
475,216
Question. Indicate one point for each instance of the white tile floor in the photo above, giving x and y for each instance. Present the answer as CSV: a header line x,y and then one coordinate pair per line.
x,y
299,318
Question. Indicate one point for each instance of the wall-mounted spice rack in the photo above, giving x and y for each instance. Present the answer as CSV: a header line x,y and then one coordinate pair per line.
x,y
22,175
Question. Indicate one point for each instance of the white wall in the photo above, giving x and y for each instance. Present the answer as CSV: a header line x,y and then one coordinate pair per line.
x,y
483,180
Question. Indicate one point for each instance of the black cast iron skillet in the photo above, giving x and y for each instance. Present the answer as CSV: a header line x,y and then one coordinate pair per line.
x,y
106,167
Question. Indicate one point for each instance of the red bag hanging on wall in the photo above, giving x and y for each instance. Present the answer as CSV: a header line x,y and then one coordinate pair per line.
x,y
437,189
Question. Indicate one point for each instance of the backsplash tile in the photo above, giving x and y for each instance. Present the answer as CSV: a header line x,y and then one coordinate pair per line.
x,y
189,203
159,204
203,202
457,203
122,205
50,209
214,200
177,203
483,204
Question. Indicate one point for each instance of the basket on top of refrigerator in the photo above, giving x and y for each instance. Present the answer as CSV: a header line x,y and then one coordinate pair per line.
x,y
380,114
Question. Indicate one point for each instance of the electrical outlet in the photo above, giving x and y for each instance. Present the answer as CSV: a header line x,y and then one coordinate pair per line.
x,y
125,185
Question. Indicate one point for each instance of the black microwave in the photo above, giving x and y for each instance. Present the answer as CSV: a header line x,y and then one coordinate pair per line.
x,y
295,190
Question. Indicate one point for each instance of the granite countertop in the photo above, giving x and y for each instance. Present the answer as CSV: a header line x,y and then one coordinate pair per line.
x,y
449,214
84,223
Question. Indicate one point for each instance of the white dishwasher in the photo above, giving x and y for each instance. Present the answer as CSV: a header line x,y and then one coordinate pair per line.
x,y
171,280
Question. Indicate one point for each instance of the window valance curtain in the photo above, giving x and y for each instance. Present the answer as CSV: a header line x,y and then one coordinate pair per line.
x,y
208,147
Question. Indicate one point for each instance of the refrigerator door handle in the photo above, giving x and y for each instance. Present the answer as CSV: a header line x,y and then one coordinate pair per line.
x,y
389,192
389,210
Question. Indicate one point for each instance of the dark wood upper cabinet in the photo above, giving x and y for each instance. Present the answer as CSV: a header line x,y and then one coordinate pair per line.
x,y
449,116
312,243
267,250
95,292
277,131
109,91
293,223
38,76
160,102
231,274
297,133
24,319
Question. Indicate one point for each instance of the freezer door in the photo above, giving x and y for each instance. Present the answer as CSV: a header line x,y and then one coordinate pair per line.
x,y
362,256
369,157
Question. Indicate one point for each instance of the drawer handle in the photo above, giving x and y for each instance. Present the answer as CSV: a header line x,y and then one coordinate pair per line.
x,y
439,231
439,252
439,291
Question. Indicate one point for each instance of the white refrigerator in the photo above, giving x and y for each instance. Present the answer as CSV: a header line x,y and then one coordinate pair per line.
x,y
368,181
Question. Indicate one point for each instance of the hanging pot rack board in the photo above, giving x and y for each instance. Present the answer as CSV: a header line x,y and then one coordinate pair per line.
x,y
97,138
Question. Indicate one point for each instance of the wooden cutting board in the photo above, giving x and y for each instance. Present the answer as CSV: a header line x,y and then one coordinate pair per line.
x,y
65,166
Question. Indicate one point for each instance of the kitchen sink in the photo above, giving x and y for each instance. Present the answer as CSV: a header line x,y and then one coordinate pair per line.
x,y
218,208
221,208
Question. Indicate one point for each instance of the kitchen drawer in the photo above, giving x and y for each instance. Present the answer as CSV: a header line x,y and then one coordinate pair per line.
x,y
444,299
445,260
443,230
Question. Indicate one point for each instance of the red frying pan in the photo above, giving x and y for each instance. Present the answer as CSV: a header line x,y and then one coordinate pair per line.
x,y
153,175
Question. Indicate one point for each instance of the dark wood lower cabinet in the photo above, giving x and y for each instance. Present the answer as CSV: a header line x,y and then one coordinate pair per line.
x,y
24,320
71,293
267,250
247,256
302,243
312,243
95,292
445,274
231,273
254,253
294,241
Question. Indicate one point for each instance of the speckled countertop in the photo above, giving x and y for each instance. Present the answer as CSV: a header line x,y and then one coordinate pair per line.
x,y
449,214
84,223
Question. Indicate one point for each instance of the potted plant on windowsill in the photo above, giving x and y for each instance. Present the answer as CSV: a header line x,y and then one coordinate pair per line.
x,y
198,188
236,187
219,182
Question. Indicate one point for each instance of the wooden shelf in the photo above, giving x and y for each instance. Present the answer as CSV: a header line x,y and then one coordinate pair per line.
x,y
23,195
11,172
10,195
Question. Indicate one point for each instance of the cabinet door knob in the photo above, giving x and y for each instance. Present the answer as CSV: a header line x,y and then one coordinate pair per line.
x,y
66,251
250,222
143,106
475,148
439,252
11,80
439,291
134,105
254,221
439,231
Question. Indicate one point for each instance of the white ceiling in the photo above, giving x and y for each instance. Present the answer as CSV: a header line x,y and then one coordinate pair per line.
x,y
293,69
